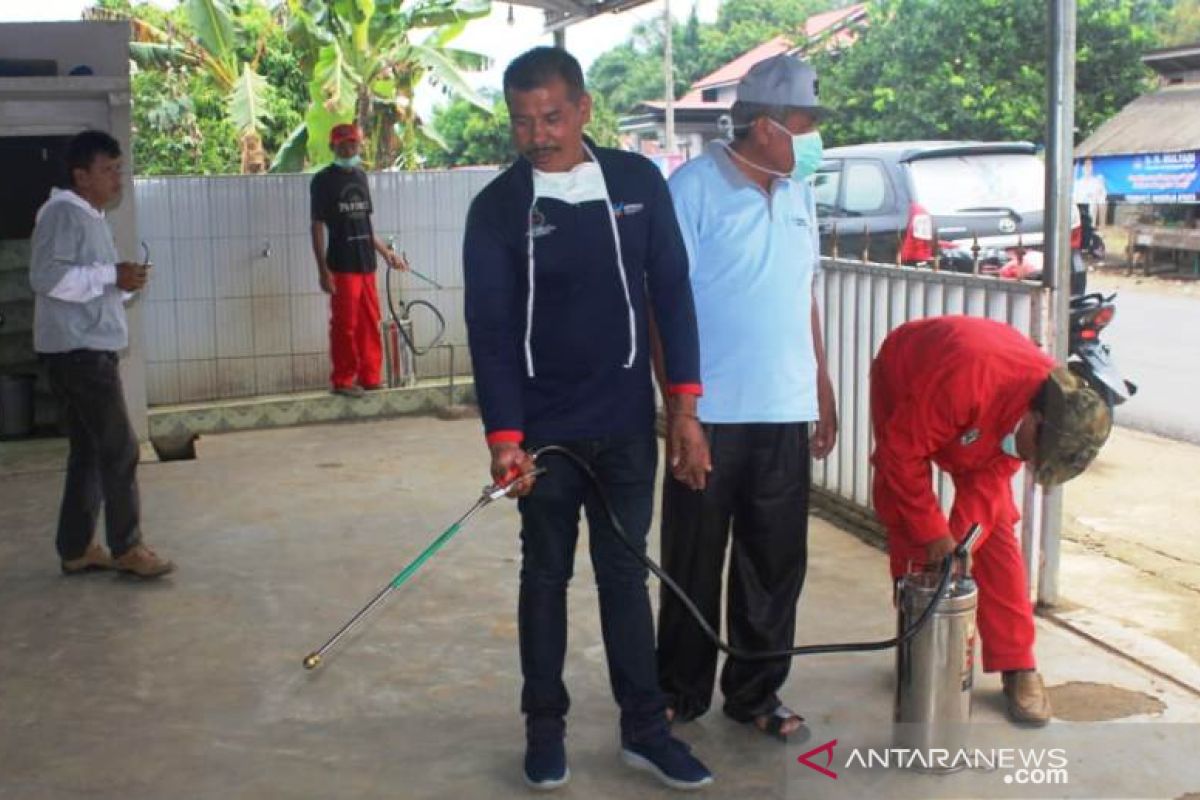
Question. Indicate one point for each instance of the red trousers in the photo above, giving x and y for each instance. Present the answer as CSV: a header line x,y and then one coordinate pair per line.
x,y
355,346
1004,616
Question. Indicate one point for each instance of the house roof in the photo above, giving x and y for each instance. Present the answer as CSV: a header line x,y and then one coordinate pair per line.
x,y
818,25
815,27
1171,61
735,70
829,23
1167,121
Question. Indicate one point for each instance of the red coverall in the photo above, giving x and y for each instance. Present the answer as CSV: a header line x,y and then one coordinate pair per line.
x,y
946,391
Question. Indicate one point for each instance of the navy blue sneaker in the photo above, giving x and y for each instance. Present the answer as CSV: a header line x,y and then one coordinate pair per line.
x,y
668,759
546,764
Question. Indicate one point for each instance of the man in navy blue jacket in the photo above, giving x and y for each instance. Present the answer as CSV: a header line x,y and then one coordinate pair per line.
x,y
566,254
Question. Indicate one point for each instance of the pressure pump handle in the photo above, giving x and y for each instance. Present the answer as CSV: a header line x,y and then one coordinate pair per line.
x,y
963,550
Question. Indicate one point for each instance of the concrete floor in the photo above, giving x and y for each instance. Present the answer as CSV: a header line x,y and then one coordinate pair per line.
x,y
192,687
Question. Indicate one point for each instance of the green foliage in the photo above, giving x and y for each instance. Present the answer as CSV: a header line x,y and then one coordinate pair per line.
x,y
625,77
473,136
1181,25
180,127
632,72
921,68
208,71
940,69
368,57
603,127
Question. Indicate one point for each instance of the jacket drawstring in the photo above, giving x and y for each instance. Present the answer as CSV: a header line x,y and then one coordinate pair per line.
x,y
612,220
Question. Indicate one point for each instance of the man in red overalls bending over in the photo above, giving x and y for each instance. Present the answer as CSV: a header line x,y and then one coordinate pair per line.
x,y
977,398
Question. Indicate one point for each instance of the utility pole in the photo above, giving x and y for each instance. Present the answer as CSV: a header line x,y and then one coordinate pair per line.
x,y
669,77
1060,142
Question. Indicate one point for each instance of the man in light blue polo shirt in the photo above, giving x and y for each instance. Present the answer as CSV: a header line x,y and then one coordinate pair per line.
x,y
748,220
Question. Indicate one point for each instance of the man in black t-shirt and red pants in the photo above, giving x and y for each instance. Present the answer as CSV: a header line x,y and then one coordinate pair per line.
x,y
341,204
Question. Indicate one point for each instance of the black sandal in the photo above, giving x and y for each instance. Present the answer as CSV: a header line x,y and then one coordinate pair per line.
x,y
775,722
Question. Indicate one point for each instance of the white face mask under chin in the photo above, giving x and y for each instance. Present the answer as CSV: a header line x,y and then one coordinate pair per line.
x,y
581,184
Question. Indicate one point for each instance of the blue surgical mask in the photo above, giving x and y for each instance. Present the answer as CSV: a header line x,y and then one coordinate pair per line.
x,y
807,149
1009,445
348,163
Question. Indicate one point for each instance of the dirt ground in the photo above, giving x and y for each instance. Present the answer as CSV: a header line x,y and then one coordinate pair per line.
x,y
1116,273
1111,278
1085,701
1132,538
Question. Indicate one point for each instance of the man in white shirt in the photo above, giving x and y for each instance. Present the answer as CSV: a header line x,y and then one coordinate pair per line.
x,y
748,219
79,328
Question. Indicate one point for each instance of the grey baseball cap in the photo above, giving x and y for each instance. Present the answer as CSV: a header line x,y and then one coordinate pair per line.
x,y
782,80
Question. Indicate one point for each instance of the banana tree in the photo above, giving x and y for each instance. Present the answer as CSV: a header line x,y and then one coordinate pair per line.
x,y
211,46
366,59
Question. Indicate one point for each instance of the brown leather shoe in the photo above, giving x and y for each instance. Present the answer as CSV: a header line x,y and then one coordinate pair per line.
x,y
94,559
143,562
1028,703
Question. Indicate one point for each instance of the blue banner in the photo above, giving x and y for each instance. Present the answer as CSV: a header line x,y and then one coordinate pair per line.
x,y
1165,178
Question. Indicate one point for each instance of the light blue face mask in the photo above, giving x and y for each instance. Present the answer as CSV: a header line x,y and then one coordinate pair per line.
x,y
807,149
348,163
1009,445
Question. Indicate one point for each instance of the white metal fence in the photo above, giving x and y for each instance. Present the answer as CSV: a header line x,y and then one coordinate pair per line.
x,y
234,309
864,302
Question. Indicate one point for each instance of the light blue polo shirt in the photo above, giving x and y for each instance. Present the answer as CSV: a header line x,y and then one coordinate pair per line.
x,y
752,262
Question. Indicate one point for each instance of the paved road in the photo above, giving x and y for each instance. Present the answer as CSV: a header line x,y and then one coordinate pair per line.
x,y
1155,339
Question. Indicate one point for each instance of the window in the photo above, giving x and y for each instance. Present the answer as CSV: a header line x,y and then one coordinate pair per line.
x,y
826,182
866,188
709,95
979,181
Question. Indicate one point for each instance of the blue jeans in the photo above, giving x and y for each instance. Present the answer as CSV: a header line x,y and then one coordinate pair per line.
x,y
549,528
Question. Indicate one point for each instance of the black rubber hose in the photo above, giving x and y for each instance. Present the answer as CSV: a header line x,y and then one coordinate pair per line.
x,y
399,320
734,652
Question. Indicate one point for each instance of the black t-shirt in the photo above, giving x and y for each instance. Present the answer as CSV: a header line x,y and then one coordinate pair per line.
x,y
342,200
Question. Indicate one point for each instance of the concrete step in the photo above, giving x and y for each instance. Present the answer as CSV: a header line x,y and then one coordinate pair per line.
x,y
173,428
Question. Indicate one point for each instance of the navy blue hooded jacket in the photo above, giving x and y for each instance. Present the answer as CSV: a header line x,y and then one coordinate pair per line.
x,y
579,340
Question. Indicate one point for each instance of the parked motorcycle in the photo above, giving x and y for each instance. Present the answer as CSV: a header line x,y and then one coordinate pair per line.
x,y
1087,356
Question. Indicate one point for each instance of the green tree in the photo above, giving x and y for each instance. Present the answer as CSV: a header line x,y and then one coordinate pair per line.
x,y
942,69
205,37
365,59
471,135
632,72
626,76
1181,24
180,127
475,136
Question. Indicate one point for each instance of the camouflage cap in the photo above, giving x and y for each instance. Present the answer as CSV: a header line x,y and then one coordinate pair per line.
x,y
1075,424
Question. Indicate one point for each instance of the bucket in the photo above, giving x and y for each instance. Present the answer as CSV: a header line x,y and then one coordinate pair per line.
x,y
16,405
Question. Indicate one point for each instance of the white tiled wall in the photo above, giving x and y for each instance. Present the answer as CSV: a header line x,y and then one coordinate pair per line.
x,y
234,308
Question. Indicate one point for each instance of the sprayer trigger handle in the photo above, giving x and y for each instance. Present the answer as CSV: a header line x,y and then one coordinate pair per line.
x,y
964,547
